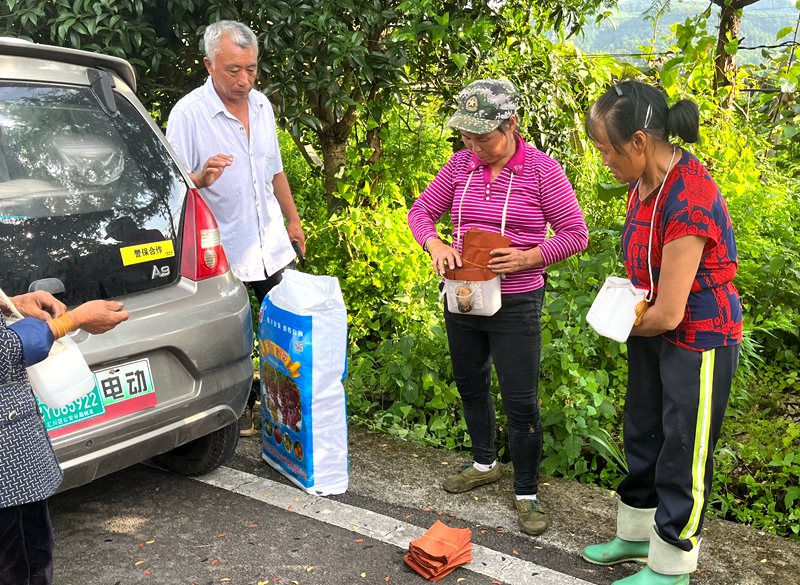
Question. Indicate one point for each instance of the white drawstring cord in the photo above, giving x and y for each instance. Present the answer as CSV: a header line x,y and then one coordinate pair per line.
x,y
505,206
649,296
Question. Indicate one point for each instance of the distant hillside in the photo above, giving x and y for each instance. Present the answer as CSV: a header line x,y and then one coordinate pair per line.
x,y
628,30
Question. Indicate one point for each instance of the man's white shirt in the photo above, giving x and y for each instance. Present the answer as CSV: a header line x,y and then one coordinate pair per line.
x,y
242,198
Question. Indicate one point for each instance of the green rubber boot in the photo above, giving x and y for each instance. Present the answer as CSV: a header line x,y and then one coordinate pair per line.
x,y
647,576
616,551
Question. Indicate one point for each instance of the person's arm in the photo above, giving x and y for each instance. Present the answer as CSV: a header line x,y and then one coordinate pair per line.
x,y
561,210
690,225
429,208
40,304
679,263
182,136
442,256
34,339
283,193
37,331
211,171
33,332
508,260
93,317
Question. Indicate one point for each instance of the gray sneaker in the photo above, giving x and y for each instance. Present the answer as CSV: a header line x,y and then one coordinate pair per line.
x,y
469,478
532,519
246,426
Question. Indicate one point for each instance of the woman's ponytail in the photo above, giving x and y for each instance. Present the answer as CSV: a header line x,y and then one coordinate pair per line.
x,y
683,121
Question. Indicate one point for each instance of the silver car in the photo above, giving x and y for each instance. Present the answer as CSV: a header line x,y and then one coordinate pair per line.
x,y
94,205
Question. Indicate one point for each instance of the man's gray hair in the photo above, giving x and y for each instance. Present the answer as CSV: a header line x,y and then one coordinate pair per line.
x,y
240,34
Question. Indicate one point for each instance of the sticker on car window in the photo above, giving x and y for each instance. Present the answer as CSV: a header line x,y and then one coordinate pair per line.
x,y
147,252
118,391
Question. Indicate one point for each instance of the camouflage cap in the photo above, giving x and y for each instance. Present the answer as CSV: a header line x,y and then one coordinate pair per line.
x,y
483,105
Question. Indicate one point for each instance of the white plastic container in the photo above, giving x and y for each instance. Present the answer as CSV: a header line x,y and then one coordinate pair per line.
x,y
613,310
484,296
63,377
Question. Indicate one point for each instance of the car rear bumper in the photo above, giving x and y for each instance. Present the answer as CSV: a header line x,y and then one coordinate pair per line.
x,y
221,410
197,340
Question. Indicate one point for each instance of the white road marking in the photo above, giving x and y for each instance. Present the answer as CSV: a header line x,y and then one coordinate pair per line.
x,y
485,561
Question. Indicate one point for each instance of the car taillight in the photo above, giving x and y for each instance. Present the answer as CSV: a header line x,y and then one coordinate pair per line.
x,y
202,256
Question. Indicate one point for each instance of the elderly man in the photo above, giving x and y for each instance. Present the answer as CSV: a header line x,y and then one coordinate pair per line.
x,y
225,134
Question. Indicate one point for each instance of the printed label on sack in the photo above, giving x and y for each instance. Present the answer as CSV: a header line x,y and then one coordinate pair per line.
x,y
286,390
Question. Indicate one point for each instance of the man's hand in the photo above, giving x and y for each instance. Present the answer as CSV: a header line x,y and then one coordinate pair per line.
x,y
98,316
295,231
39,304
212,170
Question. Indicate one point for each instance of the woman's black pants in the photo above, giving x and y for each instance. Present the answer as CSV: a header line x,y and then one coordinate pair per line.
x,y
674,408
511,339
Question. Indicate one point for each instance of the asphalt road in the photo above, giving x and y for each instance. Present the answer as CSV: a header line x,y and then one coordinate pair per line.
x,y
144,525
245,524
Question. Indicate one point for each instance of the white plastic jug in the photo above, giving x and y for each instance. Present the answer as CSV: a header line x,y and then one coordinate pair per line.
x,y
613,310
63,377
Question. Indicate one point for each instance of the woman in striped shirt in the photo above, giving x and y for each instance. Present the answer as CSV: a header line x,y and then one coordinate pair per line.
x,y
500,184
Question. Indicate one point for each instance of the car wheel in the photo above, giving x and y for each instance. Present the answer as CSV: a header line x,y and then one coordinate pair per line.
x,y
202,455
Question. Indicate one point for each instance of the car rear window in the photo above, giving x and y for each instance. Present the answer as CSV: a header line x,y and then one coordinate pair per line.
x,y
91,199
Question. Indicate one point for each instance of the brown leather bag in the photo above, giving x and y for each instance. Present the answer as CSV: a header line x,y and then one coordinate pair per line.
x,y
475,255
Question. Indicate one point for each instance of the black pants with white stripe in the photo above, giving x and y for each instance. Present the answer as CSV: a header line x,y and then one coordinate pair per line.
x,y
674,407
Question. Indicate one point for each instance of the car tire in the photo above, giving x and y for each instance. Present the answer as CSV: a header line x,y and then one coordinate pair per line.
x,y
202,455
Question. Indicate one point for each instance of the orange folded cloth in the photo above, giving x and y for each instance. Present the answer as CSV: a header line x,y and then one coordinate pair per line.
x,y
475,255
430,576
439,551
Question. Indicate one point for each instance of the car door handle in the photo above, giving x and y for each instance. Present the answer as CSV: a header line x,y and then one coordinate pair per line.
x,y
52,285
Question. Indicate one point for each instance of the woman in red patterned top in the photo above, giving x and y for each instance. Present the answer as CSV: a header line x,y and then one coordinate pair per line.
x,y
500,184
678,242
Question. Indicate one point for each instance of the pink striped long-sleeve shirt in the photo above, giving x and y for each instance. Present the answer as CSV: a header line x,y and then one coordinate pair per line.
x,y
540,195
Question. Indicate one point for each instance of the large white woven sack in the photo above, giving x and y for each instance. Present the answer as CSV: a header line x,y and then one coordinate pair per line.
x,y
302,334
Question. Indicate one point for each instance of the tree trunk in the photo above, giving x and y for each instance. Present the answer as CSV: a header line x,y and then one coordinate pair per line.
x,y
730,21
374,142
334,155
333,140
725,64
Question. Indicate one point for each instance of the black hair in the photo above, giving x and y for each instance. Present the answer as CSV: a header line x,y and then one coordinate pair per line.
x,y
503,127
630,106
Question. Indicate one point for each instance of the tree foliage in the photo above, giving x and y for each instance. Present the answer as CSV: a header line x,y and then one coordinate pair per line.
x,y
327,64
333,64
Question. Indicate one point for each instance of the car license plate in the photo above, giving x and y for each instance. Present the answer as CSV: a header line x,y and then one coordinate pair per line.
x,y
124,382
118,390
86,407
